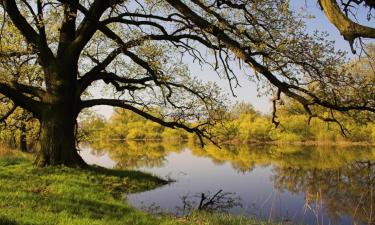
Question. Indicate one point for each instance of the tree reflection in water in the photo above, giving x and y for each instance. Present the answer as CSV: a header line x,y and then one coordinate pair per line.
x,y
337,180
135,154
344,191
210,202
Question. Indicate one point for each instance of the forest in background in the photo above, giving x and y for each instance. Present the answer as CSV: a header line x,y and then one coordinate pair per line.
x,y
241,124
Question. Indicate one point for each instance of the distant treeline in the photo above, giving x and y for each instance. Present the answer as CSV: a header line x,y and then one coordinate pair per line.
x,y
242,124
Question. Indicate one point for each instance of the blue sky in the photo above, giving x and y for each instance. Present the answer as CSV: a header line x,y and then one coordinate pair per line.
x,y
248,90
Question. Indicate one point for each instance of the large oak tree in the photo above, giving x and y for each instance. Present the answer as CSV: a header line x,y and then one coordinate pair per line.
x,y
134,50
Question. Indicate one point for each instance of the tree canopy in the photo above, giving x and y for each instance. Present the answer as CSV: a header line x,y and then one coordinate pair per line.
x,y
135,51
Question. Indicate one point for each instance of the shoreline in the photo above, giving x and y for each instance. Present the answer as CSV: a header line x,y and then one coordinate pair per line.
x,y
299,143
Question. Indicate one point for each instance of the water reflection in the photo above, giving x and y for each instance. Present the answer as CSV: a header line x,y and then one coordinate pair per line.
x,y
344,191
313,185
210,202
131,154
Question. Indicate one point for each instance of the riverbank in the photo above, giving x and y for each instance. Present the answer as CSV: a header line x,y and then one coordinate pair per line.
x,y
61,195
341,143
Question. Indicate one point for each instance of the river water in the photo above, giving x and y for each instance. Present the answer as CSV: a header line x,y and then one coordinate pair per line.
x,y
304,185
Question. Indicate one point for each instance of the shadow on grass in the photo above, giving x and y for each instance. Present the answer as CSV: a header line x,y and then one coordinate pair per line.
x,y
6,221
32,195
10,160
78,207
134,175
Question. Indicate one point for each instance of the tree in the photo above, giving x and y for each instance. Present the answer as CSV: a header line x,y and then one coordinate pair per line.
x,y
19,129
343,17
133,48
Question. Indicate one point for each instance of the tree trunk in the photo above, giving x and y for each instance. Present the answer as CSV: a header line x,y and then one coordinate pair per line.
x,y
23,142
59,117
58,140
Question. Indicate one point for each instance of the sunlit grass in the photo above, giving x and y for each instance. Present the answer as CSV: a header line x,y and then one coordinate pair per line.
x,y
203,218
61,195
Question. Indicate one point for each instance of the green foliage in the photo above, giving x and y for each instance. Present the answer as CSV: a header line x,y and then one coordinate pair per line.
x,y
125,124
224,219
250,126
19,123
174,134
91,126
242,124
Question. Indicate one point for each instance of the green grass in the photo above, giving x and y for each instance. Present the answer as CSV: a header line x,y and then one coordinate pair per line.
x,y
226,219
61,195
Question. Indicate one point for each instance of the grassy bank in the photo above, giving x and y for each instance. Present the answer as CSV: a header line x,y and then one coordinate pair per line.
x,y
61,195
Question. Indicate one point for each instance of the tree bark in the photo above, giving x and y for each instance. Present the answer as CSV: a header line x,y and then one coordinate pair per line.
x,y
57,140
349,29
59,117
23,141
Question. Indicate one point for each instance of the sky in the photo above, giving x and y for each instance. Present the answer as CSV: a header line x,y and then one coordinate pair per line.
x,y
248,91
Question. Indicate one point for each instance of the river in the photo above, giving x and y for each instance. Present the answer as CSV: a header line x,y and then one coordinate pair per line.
x,y
301,184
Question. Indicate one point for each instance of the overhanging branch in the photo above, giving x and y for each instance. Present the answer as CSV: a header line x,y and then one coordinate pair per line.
x,y
107,77
173,125
32,90
348,29
242,53
20,99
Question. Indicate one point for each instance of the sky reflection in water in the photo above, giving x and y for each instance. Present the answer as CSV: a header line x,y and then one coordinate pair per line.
x,y
309,185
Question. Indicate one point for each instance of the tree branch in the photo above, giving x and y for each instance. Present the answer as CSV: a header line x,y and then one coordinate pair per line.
x,y
32,90
122,104
348,29
242,53
24,101
14,54
27,31
88,26
86,80
134,22
68,28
